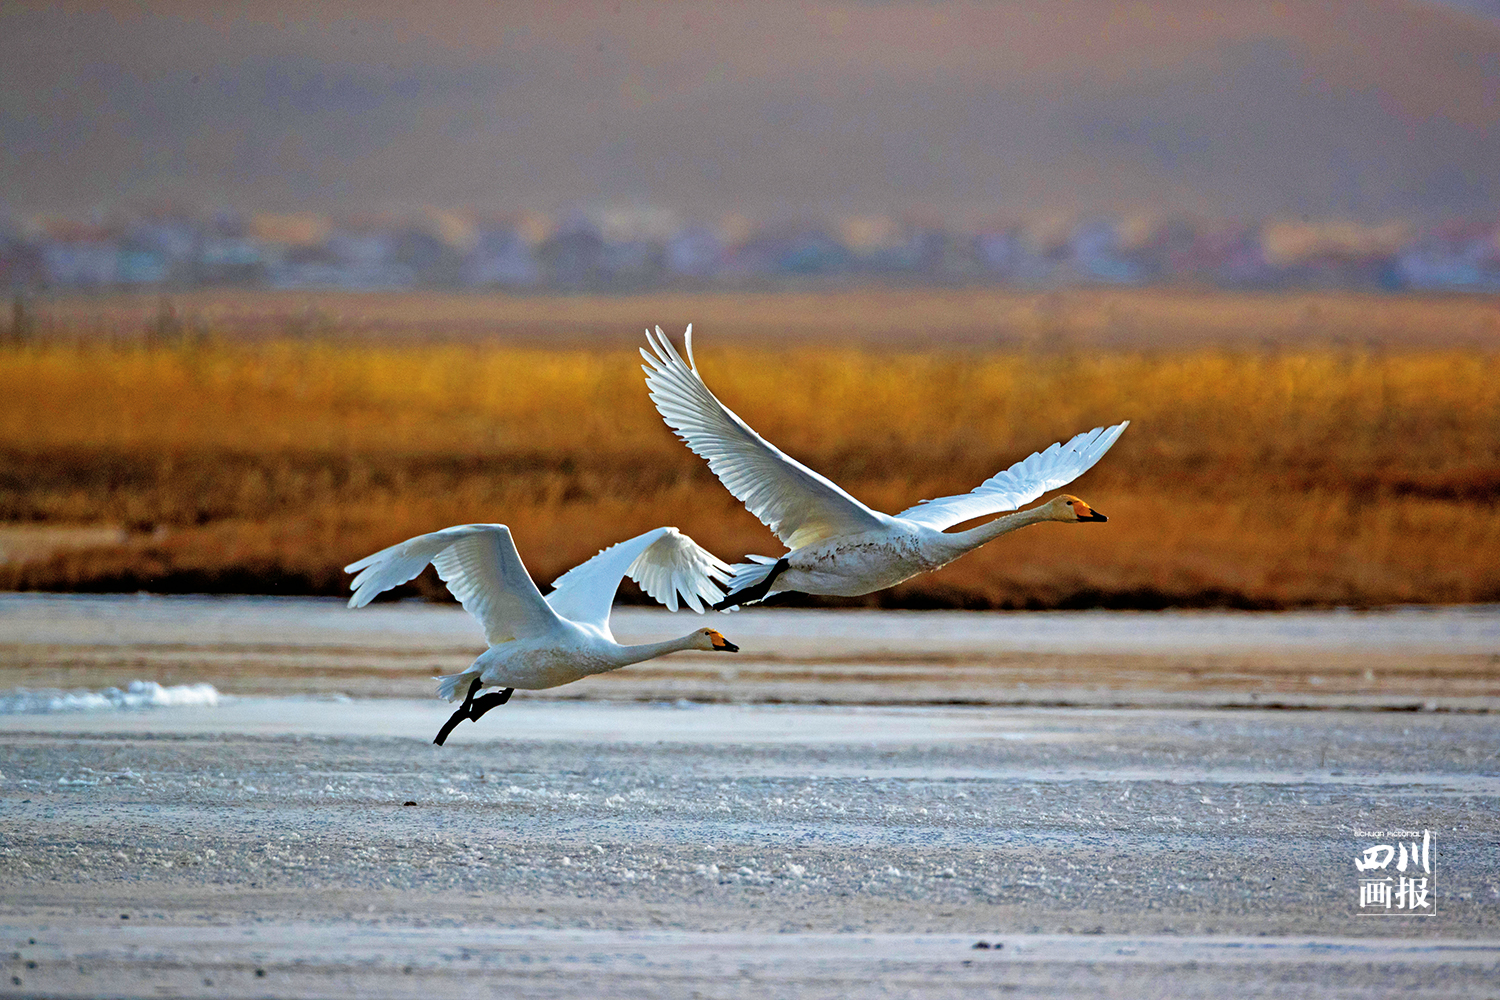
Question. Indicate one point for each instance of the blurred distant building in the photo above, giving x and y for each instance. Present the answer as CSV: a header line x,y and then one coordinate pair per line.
x,y
1234,258
572,257
365,258
1000,253
500,258
87,264
1463,256
632,264
625,250
429,259
21,264
231,260
799,250
921,252
175,239
1332,254
1098,256
694,252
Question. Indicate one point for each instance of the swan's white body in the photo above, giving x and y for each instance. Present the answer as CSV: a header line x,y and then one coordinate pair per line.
x,y
836,544
538,642
851,565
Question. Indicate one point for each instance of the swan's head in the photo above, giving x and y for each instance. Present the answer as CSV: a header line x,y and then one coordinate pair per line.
x,y
710,638
1070,508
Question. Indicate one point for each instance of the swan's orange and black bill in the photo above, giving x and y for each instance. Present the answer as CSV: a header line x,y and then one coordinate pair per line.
x,y
722,644
1092,515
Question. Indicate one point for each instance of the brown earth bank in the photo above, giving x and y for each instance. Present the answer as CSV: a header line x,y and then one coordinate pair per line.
x,y
1346,467
1050,319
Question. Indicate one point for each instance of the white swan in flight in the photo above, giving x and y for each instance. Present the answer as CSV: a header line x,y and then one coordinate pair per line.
x,y
837,545
540,642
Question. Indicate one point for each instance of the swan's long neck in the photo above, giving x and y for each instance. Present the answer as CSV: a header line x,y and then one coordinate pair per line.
x,y
624,656
967,541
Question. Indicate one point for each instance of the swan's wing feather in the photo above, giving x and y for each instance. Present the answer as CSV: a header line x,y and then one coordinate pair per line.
x,y
796,503
481,567
1021,483
393,566
676,565
664,561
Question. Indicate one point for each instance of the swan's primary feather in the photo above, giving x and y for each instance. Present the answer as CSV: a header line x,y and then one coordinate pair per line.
x,y
664,561
481,567
1021,483
798,505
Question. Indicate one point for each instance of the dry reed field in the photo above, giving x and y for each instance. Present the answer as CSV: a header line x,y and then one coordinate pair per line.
x,y
185,450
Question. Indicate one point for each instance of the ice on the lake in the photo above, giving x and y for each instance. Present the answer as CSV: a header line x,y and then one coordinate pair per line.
x,y
137,694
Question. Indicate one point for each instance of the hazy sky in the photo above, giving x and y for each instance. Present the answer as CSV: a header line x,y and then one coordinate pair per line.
x,y
1368,108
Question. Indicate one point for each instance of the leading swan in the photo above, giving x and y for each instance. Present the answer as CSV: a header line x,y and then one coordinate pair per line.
x,y
540,642
837,545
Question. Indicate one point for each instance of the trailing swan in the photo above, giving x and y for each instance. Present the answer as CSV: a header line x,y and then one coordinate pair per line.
x,y
537,642
837,545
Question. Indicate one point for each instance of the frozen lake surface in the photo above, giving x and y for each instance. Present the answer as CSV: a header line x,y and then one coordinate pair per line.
x,y
292,847
1408,658
1114,804
146,619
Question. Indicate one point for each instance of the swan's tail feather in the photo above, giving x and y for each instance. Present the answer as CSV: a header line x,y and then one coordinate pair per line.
x,y
751,581
454,687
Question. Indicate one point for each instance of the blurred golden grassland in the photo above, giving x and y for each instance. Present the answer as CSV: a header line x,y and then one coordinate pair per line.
x,y
1254,474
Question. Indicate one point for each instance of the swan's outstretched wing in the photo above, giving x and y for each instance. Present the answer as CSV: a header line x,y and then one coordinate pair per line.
x,y
796,503
664,561
1021,483
481,567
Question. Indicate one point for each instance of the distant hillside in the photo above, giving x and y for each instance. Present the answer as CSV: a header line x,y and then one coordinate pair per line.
x,y
1359,108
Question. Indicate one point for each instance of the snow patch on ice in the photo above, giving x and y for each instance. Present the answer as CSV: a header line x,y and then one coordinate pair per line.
x,y
137,694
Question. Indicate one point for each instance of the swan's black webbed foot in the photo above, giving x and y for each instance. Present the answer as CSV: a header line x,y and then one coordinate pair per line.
x,y
490,701
756,592
473,709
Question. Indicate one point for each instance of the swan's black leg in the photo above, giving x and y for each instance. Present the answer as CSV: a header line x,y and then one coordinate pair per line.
x,y
756,592
473,709
490,701
453,720
460,715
